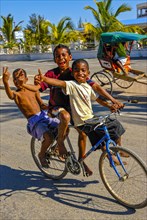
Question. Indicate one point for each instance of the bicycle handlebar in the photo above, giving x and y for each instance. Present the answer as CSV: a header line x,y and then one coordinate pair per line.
x,y
101,119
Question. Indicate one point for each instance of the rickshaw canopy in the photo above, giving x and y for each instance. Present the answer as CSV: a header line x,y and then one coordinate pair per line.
x,y
116,37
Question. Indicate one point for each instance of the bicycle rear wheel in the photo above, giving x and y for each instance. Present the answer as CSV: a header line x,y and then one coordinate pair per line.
x,y
103,80
57,168
131,190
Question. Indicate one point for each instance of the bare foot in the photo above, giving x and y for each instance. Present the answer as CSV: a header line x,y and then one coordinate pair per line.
x,y
87,170
60,152
43,161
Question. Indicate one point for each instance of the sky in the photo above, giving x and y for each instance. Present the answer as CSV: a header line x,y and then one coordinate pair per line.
x,y
55,10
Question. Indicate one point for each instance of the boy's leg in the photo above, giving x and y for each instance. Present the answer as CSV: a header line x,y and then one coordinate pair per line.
x,y
119,144
82,148
81,143
64,117
120,65
47,140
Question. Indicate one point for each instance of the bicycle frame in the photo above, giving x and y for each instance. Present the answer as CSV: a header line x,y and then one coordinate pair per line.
x,y
106,138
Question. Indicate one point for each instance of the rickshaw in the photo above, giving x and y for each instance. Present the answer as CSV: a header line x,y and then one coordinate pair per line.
x,y
111,73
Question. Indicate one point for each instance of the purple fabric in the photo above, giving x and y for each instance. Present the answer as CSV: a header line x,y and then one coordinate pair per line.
x,y
41,123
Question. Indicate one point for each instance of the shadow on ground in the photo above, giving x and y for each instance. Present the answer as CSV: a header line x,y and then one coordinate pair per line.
x,y
65,191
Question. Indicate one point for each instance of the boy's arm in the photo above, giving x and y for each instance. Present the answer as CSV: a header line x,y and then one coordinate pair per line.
x,y
97,88
36,87
6,76
51,81
42,105
105,104
33,88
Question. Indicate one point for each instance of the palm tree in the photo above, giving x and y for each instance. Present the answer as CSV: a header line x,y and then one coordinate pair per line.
x,y
106,19
43,33
8,30
63,32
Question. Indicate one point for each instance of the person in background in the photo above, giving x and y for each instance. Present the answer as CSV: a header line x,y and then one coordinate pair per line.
x,y
120,56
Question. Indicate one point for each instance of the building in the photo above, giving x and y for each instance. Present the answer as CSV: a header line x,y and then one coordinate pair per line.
x,y
142,10
141,19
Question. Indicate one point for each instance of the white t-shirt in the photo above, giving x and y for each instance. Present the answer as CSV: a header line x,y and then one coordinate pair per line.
x,y
80,96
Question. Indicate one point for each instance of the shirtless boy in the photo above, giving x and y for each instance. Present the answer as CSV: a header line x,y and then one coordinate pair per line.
x,y
31,106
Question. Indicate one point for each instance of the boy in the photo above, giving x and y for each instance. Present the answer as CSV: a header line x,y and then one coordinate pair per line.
x,y
59,103
31,106
80,95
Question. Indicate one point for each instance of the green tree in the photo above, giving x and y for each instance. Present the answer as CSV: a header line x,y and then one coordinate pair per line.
x,y
8,29
36,32
106,19
63,32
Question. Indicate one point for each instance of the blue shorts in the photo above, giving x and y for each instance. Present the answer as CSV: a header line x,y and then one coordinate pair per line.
x,y
40,123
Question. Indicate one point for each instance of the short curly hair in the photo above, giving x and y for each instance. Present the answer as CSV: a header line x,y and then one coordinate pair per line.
x,y
61,46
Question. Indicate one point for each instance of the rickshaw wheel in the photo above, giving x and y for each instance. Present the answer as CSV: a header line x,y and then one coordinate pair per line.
x,y
123,83
103,80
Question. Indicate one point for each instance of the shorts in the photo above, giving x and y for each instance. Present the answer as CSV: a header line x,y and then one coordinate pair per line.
x,y
55,111
123,60
40,123
115,129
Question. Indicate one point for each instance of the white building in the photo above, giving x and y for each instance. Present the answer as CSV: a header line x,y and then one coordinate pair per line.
x,y
141,19
142,10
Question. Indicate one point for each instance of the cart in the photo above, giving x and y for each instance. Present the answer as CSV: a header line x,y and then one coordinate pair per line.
x,y
111,73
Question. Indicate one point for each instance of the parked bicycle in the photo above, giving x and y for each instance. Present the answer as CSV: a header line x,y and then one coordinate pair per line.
x,y
125,182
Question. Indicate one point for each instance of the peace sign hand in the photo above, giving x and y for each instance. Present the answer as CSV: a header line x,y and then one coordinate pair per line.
x,y
6,75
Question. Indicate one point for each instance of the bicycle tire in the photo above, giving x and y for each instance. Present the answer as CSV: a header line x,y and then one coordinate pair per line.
x,y
129,192
57,168
124,84
103,80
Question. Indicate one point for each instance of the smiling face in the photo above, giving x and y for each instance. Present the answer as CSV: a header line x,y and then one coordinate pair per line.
x,y
62,58
19,77
80,71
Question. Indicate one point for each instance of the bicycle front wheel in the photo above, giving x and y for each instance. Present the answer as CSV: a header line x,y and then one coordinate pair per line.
x,y
103,80
129,191
56,167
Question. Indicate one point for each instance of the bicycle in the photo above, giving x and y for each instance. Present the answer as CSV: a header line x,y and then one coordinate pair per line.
x,y
125,182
